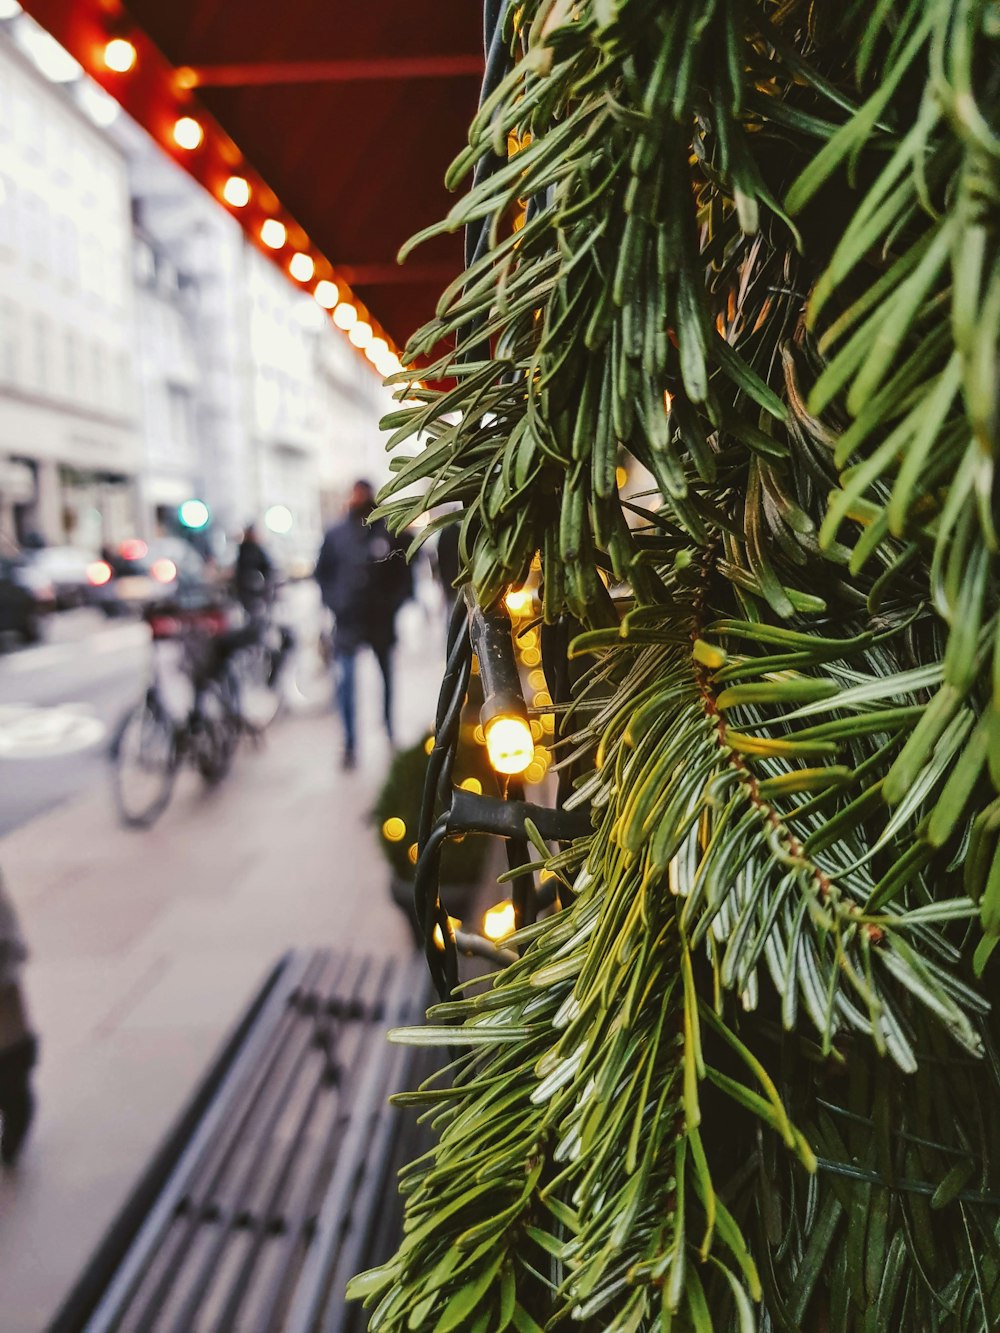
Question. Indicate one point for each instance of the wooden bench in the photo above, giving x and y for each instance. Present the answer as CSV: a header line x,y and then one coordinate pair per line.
x,y
278,1182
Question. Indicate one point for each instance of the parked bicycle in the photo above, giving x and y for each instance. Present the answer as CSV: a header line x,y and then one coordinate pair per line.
x,y
233,677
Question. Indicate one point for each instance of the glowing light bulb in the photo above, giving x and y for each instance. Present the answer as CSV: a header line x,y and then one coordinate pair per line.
x,y
519,601
376,350
621,477
301,267
394,830
120,55
236,191
326,294
413,851
273,233
188,133
499,921
360,334
453,921
428,745
345,316
509,743
473,785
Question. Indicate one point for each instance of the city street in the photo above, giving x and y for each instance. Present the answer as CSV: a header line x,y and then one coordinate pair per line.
x,y
147,946
59,703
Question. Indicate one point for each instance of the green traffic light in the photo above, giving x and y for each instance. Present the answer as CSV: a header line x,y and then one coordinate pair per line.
x,y
194,514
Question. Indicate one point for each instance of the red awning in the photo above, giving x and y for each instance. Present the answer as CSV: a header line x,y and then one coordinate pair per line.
x,y
350,112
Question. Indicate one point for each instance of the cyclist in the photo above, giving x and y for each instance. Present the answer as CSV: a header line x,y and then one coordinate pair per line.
x,y
254,574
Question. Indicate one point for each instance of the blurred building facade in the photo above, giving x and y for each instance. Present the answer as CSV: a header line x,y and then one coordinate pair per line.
x,y
70,441
148,353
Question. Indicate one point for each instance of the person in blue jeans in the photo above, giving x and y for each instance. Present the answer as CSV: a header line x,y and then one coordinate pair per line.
x,y
364,579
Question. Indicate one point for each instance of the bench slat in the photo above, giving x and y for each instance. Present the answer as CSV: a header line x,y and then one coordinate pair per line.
x,y
281,1183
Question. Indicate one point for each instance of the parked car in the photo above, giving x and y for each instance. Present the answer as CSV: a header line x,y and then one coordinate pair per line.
x,y
140,574
64,569
24,599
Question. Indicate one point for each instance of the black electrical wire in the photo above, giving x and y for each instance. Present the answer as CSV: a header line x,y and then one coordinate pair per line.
x,y
444,812
442,959
451,697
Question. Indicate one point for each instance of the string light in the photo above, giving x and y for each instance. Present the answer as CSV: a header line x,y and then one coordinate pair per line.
x,y
453,921
236,191
301,267
120,55
273,233
360,334
509,743
188,133
327,294
345,316
473,785
499,921
413,851
394,829
428,745
519,601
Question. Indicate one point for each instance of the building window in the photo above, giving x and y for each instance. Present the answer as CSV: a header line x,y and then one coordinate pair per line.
x,y
72,363
42,369
124,383
67,251
97,378
8,342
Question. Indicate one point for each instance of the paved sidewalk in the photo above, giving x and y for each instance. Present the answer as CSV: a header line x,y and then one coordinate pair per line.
x,y
147,945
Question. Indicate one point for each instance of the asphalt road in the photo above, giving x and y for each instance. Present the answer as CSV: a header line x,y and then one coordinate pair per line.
x,y
61,701
59,704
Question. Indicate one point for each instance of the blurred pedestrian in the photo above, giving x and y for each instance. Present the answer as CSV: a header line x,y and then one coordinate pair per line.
x,y
18,1044
254,573
364,579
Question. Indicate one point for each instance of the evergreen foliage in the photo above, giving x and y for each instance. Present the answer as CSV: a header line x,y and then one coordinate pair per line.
x,y
747,1077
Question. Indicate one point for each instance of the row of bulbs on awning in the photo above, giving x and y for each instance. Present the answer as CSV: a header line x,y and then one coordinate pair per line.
x,y
121,57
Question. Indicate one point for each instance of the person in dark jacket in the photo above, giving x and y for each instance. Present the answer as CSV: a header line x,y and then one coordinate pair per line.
x,y
18,1044
254,571
364,579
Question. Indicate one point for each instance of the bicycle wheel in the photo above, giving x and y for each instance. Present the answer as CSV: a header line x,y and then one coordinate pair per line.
x,y
215,733
309,686
144,755
257,682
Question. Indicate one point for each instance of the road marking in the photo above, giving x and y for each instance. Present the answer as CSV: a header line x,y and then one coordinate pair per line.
x,y
115,640
30,732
